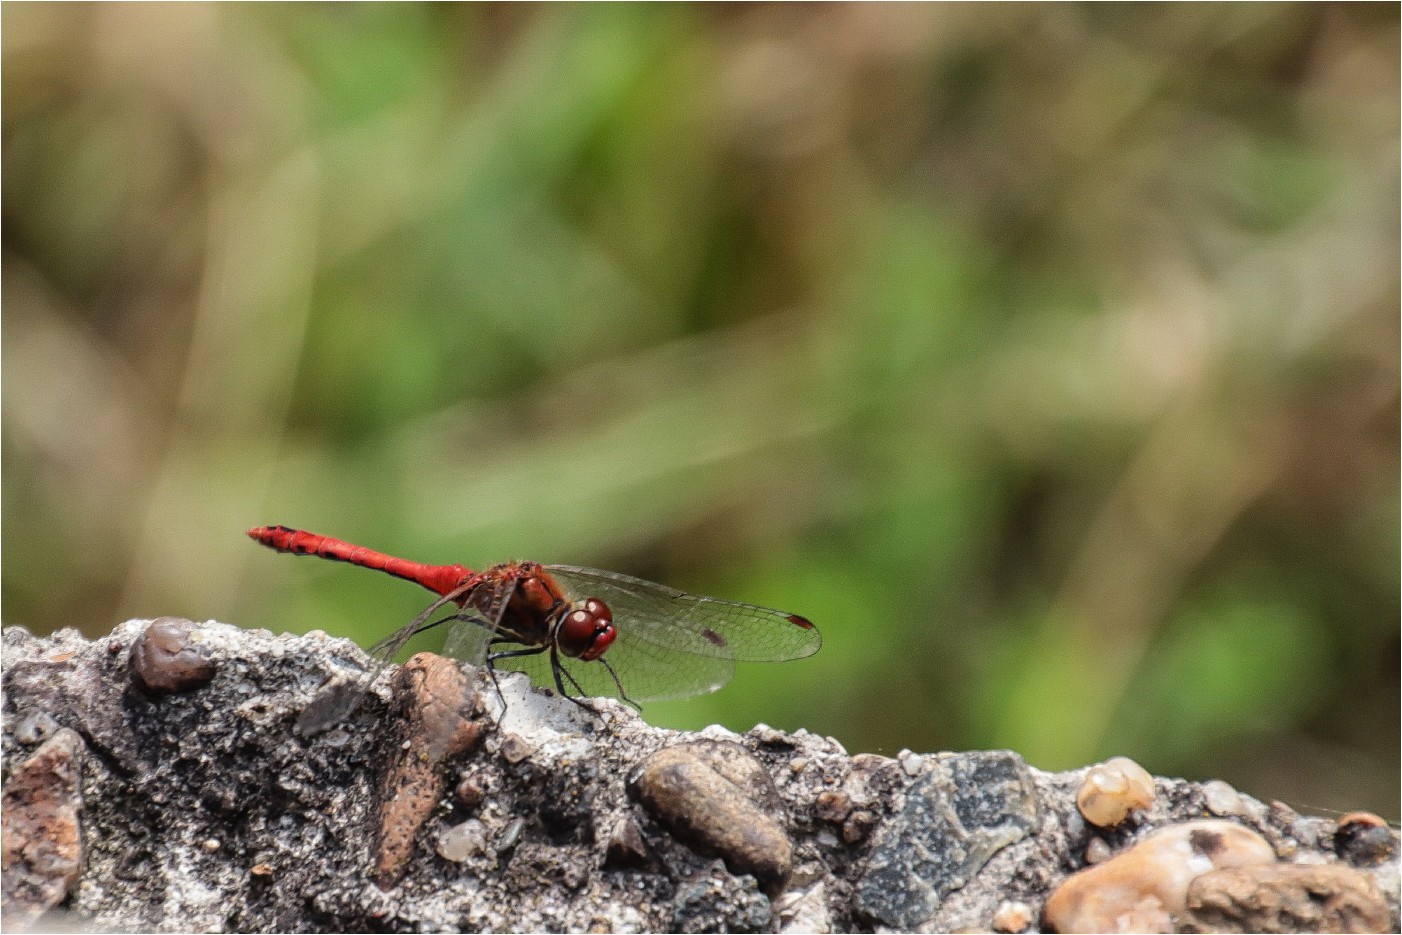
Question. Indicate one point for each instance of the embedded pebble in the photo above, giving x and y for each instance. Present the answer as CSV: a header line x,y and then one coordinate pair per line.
x,y
832,807
858,825
511,836
709,796
1112,790
626,846
1012,916
462,841
804,911
210,845
437,711
336,737
1221,799
1287,898
40,809
911,762
1364,838
468,792
164,661
1141,888
962,811
1097,851
515,749
34,727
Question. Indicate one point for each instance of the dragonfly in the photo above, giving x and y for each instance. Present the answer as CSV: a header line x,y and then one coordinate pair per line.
x,y
586,630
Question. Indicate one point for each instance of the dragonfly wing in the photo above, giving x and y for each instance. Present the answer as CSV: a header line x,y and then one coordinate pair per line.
x,y
645,671
476,624
668,619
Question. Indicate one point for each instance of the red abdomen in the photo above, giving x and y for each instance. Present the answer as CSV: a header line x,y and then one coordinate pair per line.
x,y
438,578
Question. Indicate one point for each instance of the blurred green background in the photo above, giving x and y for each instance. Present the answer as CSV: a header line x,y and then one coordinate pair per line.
x,y
1045,356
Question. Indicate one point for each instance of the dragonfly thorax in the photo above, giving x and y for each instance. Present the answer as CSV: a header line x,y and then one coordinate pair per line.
x,y
585,630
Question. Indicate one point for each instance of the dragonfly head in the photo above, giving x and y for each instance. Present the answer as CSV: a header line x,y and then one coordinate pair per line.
x,y
586,630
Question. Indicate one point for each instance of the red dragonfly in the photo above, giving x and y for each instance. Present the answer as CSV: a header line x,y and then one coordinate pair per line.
x,y
589,630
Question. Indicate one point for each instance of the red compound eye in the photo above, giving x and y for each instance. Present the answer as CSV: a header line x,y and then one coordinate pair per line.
x,y
586,631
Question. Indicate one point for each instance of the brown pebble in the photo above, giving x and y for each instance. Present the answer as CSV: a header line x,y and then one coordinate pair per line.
x,y
832,807
1113,789
468,792
1363,838
164,661
627,847
858,825
437,708
1287,898
692,790
40,808
1141,888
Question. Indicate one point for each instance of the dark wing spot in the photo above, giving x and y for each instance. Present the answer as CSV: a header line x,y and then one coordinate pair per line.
x,y
713,636
798,621
1206,843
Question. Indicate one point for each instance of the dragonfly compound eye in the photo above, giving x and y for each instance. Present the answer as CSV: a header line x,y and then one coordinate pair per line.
x,y
587,630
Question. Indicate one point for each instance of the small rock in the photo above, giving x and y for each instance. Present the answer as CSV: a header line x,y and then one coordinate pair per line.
x,y
1112,790
627,847
912,763
1139,889
708,809
468,792
1012,916
1364,839
336,700
511,836
514,749
1221,799
164,661
804,911
462,841
858,825
210,845
336,737
769,736
1097,851
42,850
717,903
956,816
1287,898
35,727
832,807
436,708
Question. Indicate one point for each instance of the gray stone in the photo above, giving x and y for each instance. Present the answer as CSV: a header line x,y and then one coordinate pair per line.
x,y
956,817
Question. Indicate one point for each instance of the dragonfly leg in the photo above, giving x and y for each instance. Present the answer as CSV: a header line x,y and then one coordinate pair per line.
x,y
506,654
555,670
619,685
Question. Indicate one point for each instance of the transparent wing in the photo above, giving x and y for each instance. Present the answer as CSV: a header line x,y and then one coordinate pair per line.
x,y
476,624
647,672
665,619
